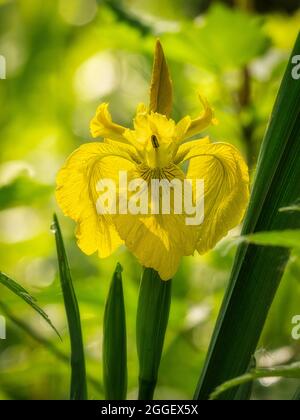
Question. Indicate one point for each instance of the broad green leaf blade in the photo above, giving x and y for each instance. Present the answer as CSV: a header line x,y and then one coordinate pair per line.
x,y
152,320
24,295
290,371
284,238
114,341
161,91
78,376
257,271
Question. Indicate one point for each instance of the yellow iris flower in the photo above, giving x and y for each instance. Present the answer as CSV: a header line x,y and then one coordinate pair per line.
x,y
155,148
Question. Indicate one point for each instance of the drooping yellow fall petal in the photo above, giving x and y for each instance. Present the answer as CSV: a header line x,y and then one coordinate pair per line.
x,y
153,240
157,240
77,196
226,190
161,90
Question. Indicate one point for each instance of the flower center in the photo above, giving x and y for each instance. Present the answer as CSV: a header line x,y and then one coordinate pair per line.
x,y
158,152
169,173
154,141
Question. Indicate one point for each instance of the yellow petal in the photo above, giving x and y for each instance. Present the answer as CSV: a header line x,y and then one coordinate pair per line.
x,y
185,148
157,241
161,91
226,190
204,121
77,196
141,109
146,125
182,128
102,125
127,148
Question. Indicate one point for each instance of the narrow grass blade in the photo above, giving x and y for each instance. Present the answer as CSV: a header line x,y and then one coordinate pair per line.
x,y
152,320
114,341
290,371
24,295
51,347
258,270
78,377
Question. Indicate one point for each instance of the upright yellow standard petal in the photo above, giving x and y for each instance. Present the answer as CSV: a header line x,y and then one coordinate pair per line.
x,y
203,121
182,128
161,90
103,126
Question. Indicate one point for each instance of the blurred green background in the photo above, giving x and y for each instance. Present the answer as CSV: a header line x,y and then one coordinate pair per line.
x,y
64,57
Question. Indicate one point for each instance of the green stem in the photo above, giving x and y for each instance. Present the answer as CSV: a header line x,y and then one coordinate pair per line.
x,y
152,320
